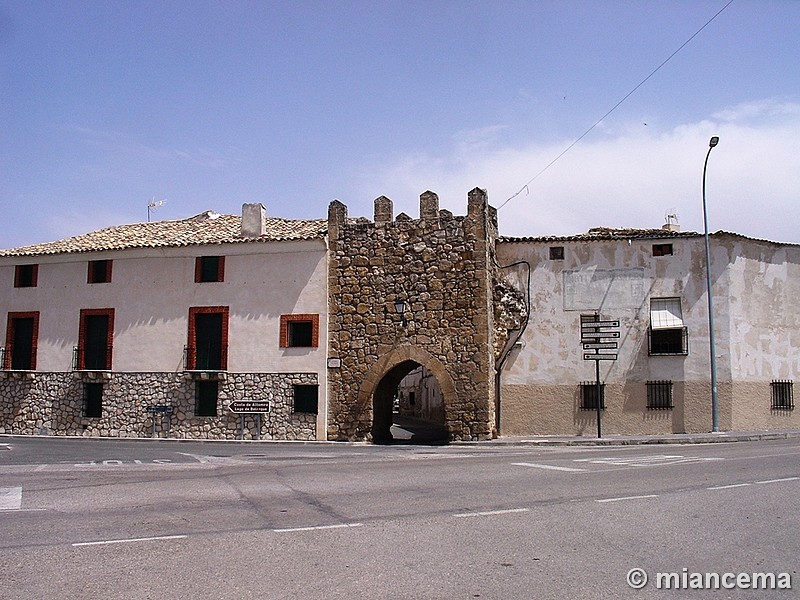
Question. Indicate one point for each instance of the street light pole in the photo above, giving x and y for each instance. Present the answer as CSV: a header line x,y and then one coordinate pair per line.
x,y
714,404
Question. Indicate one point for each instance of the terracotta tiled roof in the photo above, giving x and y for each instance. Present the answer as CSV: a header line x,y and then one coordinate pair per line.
x,y
613,233
606,233
206,228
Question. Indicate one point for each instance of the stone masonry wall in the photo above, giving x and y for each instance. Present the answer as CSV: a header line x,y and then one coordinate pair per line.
x,y
53,404
439,267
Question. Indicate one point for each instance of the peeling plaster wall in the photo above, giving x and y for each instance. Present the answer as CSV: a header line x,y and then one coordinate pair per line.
x,y
765,324
756,323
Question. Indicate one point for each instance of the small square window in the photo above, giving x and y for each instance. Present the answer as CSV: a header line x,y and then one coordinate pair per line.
x,y
206,394
589,395
99,271
93,400
662,249
26,276
299,331
782,396
556,252
659,395
306,398
209,269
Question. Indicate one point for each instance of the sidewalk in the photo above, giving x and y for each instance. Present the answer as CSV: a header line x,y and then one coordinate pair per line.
x,y
633,440
409,430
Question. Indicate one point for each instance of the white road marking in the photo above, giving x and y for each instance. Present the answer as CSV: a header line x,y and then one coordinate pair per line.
x,y
11,498
778,480
487,513
205,459
627,498
650,460
728,487
550,467
130,540
318,527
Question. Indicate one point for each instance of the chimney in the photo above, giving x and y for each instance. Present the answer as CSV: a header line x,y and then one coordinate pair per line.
x,y
254,220
671,227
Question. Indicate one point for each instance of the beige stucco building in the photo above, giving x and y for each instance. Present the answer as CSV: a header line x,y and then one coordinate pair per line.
x,y
228,326
653,283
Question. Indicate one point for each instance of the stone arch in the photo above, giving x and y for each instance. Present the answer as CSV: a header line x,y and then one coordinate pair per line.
x,y
382,378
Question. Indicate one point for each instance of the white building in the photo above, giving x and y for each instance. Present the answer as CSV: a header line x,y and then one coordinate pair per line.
x,y
168,321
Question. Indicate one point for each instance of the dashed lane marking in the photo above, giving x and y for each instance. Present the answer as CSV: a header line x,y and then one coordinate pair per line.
x,y
651,460
778,480
488,513
130,540
623,498
728,487
318,527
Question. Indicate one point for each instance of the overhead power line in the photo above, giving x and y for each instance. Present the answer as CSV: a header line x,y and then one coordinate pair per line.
x,y
613,108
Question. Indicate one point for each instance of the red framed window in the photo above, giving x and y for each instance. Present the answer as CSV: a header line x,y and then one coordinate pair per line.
x,y
26,276
99,271
299,331
95,339
209,269
207,346
22,341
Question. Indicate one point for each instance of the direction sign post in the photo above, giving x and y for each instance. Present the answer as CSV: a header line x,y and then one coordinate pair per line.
x,y
249,406
597,335
244,407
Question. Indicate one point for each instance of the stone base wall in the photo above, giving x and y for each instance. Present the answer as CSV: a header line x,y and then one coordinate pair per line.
x,y
53,404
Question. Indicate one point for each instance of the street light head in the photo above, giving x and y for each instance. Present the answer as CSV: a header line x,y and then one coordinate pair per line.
x,y
713,141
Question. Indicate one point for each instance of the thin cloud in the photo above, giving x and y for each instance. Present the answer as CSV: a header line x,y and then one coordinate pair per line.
x,y
630,176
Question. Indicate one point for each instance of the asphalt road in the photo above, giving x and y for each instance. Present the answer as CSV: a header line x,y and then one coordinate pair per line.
x,y
167,519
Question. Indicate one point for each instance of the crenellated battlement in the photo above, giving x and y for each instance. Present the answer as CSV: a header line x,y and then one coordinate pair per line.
x,y
438,270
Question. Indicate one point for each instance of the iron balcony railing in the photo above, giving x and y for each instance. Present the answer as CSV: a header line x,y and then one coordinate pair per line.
x,y
210,358
91,361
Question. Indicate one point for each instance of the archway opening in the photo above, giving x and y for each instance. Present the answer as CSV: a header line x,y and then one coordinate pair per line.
x,y
408,407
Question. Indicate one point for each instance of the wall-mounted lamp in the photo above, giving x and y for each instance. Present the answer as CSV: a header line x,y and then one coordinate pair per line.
x,y
400,309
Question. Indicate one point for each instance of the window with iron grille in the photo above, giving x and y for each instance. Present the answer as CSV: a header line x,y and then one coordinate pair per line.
x,y
589,395
667,334
93,400
659,395
782,396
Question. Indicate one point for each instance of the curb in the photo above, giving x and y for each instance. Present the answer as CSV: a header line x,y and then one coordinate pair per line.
x,y
709,438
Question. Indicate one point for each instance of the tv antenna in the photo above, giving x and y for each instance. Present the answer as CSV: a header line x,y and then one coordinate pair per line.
x,y
671,217
154,204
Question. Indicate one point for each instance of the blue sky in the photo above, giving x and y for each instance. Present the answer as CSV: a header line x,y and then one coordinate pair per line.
x,y
107,105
